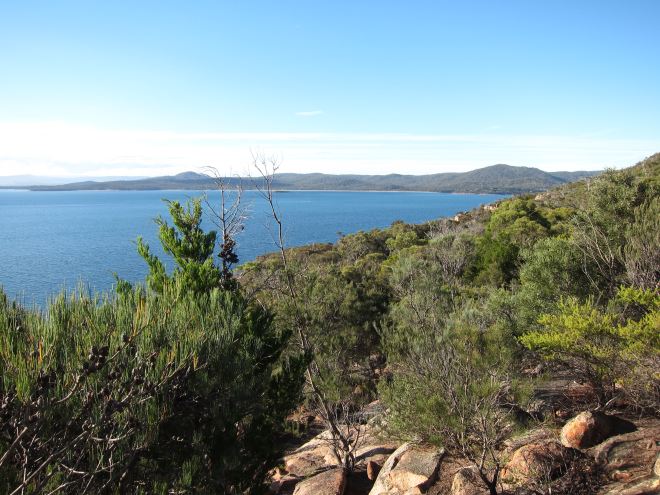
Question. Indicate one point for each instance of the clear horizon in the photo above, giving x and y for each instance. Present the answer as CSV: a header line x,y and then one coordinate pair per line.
x,y
159,88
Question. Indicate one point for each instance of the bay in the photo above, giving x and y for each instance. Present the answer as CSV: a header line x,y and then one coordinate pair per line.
x,y
50,241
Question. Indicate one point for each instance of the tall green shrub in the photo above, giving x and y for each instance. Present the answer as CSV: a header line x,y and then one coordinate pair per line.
x,y
142,394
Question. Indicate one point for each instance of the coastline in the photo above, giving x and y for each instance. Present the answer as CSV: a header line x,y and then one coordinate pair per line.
x,y
416,191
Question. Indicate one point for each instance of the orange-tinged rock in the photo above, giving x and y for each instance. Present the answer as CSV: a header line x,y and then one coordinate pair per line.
x,y
332,482
373,469
415,467
591,428
630,461
646,486
467,482
284,484
312,457
410,469
633,453
545,460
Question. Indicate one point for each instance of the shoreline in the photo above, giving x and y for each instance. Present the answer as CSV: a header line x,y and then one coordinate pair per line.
x,y
28,189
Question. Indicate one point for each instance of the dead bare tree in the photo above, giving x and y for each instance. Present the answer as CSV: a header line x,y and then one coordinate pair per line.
x,y
599,252
343,424
642,251
229,216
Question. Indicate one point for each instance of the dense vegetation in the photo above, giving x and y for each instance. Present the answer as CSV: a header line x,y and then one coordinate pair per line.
x,y
447,323
503,179
183,386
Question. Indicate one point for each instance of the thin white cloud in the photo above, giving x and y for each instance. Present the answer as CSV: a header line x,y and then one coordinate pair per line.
x,y
310,113
59,149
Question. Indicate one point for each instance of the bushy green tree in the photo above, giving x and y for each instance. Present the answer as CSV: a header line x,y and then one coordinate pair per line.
x,y
550,270
450,370
339,308
516,225
423,298
641,252
190,246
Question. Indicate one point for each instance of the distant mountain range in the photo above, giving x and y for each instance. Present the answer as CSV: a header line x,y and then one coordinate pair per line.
x,y
503,179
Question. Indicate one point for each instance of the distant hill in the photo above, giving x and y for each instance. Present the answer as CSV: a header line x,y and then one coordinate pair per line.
x,y
503,179
27,180
184,180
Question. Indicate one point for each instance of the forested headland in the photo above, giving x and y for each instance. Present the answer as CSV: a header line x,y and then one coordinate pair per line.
x,y
498,351
499,179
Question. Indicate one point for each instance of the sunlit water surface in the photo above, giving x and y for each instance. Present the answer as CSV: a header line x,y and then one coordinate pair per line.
x,y
55,240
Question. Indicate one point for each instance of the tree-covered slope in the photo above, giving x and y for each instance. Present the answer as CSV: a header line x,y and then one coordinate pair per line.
x,y
447,323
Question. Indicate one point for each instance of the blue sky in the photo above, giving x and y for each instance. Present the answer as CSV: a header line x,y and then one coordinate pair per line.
x,y
142,88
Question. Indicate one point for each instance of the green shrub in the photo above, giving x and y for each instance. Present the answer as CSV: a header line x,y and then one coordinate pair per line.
x,y
142,394
606,347
451,385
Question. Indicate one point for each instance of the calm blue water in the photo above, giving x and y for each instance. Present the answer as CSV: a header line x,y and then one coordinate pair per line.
x,y
54,240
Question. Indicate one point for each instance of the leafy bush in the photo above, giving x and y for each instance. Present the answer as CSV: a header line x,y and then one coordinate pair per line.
x,y
516,225
450,380
614,213
452,386
619,345
552,269
642,248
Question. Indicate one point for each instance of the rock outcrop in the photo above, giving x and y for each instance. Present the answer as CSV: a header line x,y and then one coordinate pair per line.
x,y
311,457
316,457
630,461
281,484
373,468
591,428
409,470
591,452
467,482
543,460
649,486
331,482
